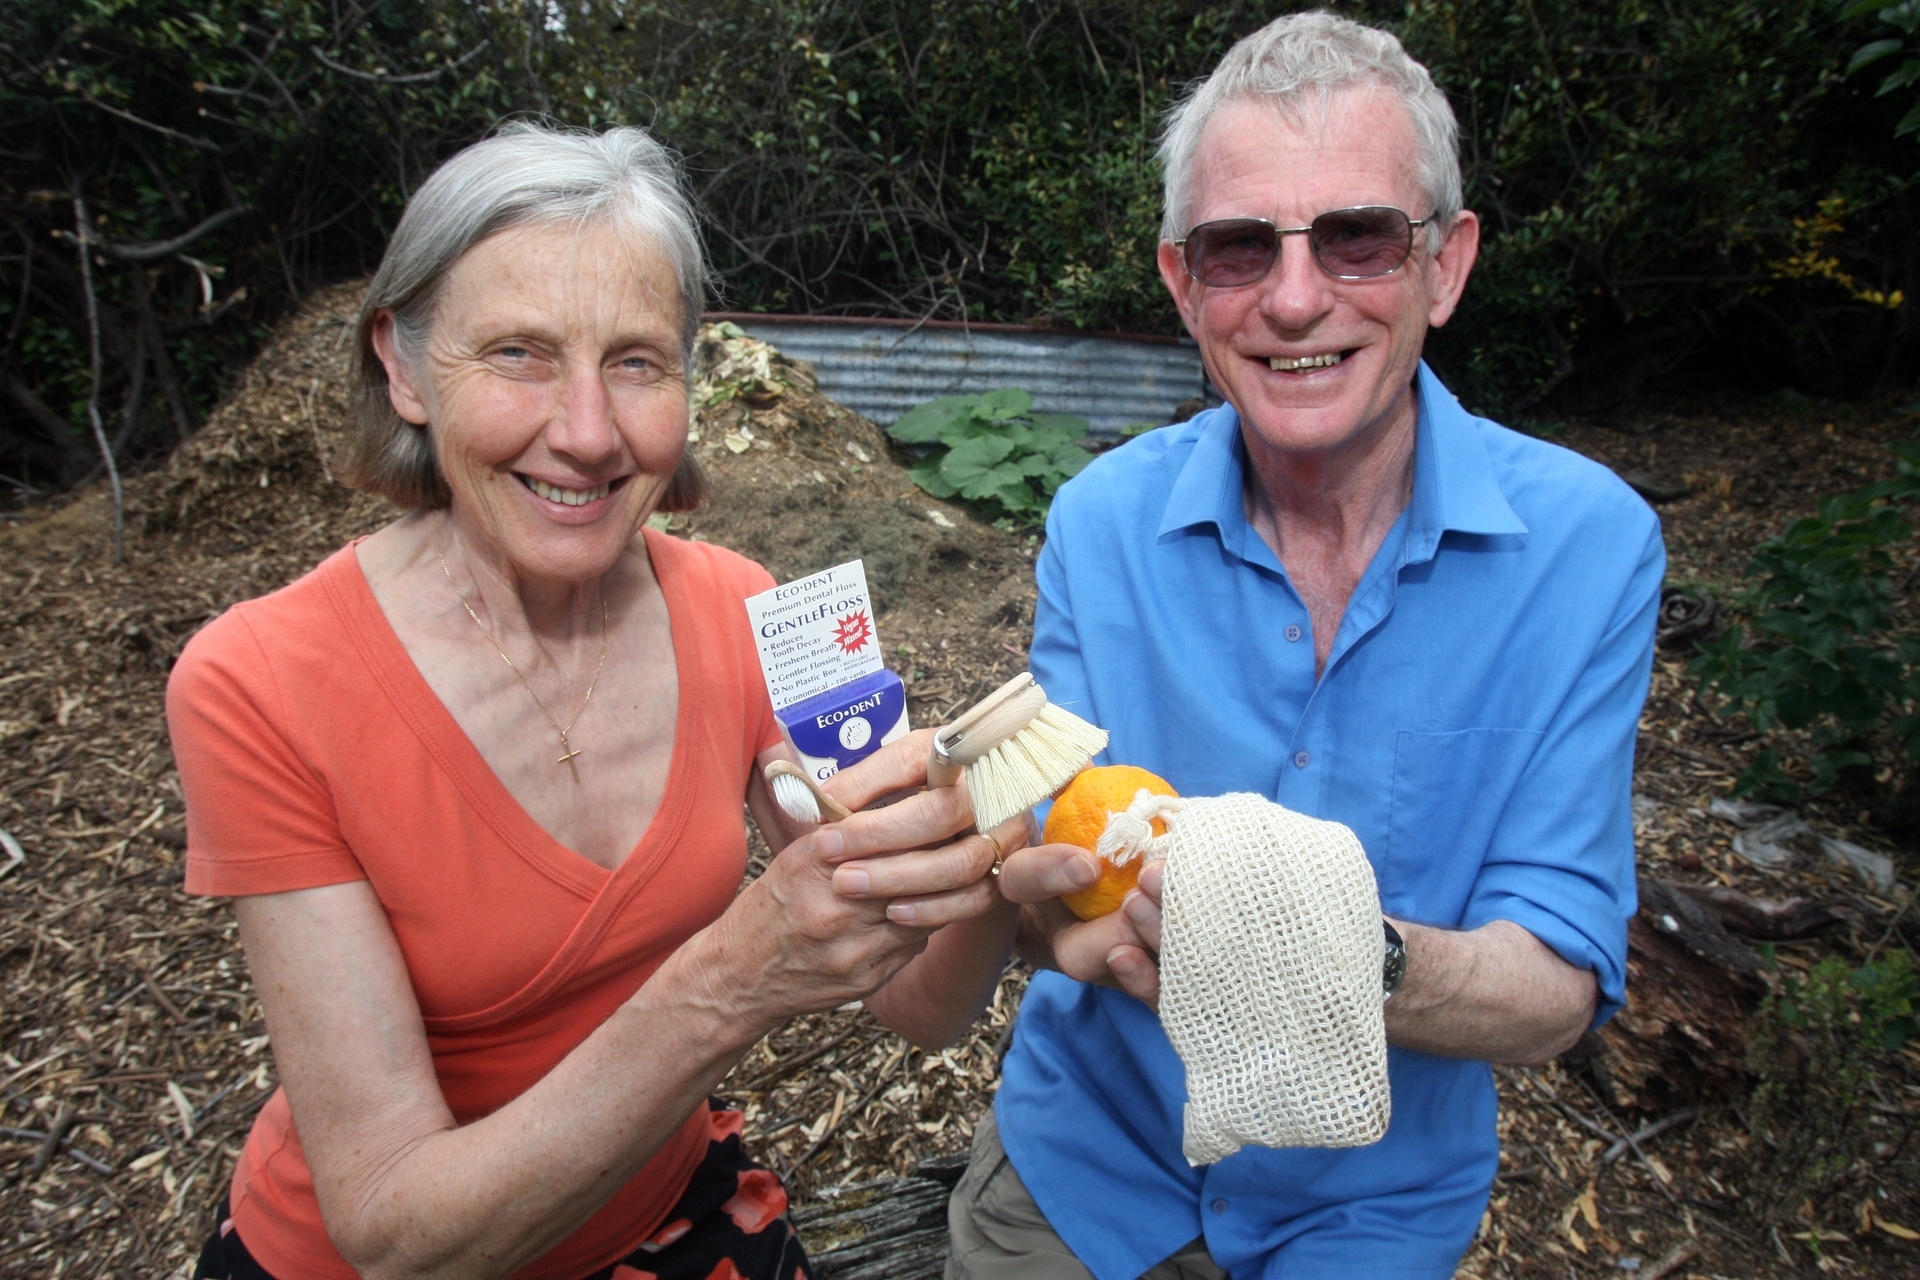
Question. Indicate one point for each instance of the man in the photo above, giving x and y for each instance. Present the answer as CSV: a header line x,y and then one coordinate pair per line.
x,y
1344,592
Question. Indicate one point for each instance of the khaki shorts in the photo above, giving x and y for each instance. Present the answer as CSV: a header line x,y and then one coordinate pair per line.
x,y
999,1233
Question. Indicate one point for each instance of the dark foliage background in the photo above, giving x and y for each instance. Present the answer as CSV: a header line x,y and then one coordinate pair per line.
x,y
1670,188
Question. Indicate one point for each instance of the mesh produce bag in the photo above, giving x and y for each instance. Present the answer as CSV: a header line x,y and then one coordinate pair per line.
x,y
1270,963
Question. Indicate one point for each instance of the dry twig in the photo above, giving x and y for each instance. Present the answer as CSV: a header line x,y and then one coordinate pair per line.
x,y
83,240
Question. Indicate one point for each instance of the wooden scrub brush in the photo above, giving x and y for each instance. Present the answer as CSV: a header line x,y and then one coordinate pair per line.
x,y
1016,749
800,797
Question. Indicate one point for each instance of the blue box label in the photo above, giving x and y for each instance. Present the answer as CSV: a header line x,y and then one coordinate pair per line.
x,y
835,729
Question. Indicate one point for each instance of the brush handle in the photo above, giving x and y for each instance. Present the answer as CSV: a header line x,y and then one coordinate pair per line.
x,y
831,808
942,772
1000,715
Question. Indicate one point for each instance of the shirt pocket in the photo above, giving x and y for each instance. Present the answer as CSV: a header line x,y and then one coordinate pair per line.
x,y
1449,790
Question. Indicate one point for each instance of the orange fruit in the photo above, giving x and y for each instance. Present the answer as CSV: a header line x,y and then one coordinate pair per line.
x,y
1080,815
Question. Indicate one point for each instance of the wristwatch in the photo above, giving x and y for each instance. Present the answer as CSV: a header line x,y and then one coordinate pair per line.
x,y
1394,972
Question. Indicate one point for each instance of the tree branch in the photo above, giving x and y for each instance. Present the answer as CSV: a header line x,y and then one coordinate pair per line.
x,y
202,143
83,237
151,250
381,78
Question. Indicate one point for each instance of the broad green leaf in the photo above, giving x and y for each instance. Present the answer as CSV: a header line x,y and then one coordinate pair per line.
x,y
923,424
1909,123
1047,439
1023,436
1867,54
1008,402
1039,466
973,458
1011,492
1908,73
1071,459
1019,498
927,476
997,483
966,426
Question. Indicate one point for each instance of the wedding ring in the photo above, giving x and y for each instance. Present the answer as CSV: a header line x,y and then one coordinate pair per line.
x,y
999,855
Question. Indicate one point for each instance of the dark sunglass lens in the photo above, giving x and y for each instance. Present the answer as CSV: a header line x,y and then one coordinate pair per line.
x,y
1233,252
1362,242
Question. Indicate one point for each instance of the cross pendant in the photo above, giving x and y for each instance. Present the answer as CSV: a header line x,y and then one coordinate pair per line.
x,y
567,759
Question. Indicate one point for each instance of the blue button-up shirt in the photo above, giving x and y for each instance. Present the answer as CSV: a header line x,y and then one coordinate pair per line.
x,y
1474,727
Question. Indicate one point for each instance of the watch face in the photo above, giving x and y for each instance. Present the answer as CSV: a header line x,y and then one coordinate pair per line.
x,y
1395,969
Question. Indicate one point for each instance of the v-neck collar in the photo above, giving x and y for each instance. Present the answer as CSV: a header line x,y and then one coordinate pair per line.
x,y
393,667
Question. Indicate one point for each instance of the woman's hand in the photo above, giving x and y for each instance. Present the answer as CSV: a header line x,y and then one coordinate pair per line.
x,y
1118,950
845,907
921,853
918,863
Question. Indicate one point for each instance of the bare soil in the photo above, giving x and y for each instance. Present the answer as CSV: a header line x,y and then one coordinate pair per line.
x,y
132,1050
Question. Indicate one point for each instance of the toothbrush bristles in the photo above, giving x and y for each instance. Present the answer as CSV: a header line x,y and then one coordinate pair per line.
x,y
1031,765
795,798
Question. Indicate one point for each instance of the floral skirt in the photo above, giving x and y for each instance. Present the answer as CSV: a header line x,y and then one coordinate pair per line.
x,y
731,1224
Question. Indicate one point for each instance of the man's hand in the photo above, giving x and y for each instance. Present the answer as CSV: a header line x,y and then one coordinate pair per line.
x,y
1116,950
1495,993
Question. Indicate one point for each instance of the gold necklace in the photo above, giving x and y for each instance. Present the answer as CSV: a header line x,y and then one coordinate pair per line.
x,y
566,746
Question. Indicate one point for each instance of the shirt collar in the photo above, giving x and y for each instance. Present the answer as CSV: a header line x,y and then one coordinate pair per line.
x,y
1454,487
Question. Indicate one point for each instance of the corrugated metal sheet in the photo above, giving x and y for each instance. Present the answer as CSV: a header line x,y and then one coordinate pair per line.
x,y
883,368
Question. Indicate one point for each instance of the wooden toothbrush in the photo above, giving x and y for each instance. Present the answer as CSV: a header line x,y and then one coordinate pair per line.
x,y
800,797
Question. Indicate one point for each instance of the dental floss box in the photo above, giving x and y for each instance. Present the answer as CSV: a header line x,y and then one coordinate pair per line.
x,y
831,690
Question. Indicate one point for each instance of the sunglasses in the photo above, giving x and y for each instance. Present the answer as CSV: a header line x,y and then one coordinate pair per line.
x,y
1349,244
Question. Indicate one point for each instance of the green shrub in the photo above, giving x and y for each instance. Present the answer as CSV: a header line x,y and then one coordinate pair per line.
x,y
1819,1041
1904,17
1817,647
994,449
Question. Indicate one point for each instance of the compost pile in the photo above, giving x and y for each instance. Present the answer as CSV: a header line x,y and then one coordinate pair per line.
x,y
133,1055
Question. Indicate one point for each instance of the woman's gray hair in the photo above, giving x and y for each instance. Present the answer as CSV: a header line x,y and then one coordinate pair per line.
x,y
1299,63
526,174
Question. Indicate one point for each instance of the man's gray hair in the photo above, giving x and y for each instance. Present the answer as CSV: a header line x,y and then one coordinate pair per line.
x,y
526,174
1298,64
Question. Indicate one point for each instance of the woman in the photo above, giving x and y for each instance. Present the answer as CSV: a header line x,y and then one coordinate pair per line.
x,y
475,785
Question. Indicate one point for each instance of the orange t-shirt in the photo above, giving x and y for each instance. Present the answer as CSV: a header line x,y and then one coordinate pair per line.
x,y
312,752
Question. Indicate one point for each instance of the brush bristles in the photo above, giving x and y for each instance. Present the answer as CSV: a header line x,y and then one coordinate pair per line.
x,y
1031,765
795,798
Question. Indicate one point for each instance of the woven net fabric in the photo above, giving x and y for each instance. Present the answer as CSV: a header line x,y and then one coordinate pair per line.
x,y
1270,965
